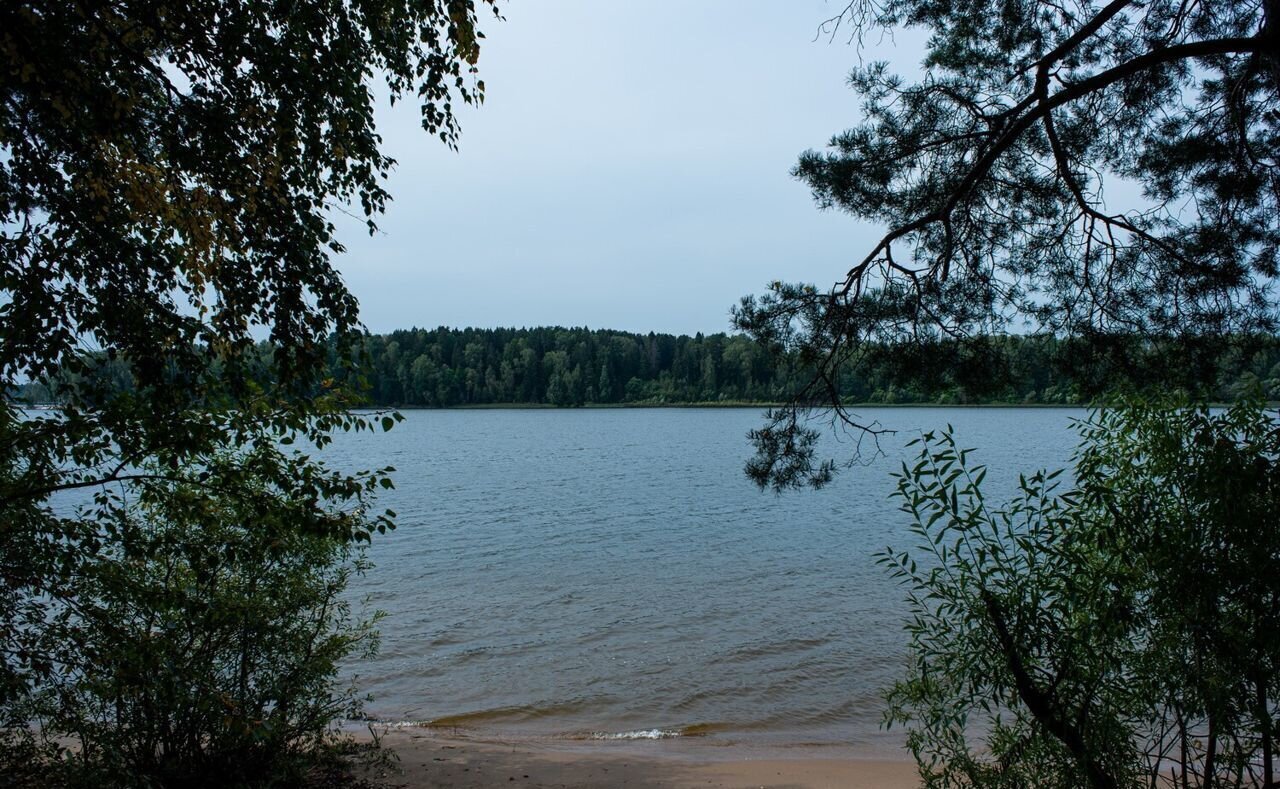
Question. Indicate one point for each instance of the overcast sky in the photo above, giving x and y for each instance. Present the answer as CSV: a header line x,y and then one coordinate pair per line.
x,y
629,169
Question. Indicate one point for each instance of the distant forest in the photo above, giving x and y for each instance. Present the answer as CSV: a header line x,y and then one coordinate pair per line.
x,y
446,367
568,367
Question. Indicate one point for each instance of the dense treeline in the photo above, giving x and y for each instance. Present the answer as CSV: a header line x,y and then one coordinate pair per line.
x,y
446,367
558,366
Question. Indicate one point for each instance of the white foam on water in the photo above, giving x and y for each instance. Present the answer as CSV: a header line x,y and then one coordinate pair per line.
x,y
638,734
388,724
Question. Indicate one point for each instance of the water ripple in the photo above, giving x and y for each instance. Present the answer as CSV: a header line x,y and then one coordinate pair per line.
x,y
612,574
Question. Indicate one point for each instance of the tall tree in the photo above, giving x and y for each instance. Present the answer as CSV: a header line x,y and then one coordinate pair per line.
x,y
1085,170
169,178
1114,634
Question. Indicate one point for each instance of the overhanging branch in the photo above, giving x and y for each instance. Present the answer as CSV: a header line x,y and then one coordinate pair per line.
x,y
1036,110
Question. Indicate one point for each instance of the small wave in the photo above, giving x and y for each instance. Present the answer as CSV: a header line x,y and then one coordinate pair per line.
x,y
703,729
527,712
638,734
692,730
402,724
765,648
478,718
385,723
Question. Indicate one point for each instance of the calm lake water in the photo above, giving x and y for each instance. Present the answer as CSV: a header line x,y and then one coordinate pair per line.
x,y
612,573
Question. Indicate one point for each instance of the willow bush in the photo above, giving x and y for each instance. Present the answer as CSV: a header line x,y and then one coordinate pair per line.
x,y
1121,630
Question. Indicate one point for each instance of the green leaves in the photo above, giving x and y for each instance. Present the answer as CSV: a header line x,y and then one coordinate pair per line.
x,y
205,630
167,177
166,184
1081,637
990,174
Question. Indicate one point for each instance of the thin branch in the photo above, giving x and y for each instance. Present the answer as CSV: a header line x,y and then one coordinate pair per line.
x,y
1085,32
107,480
1040,106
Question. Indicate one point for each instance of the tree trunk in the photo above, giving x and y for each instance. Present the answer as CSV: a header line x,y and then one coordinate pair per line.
x,y
1264,727
1210,754
1043,707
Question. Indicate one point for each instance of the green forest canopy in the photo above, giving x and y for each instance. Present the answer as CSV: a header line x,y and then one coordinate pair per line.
x,y
447,367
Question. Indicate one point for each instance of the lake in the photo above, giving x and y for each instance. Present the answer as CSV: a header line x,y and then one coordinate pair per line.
x,y
612,573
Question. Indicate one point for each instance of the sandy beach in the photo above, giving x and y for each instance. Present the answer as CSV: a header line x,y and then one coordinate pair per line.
x,y
432,759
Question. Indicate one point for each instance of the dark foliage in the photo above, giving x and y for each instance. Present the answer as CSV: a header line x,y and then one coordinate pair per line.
x,y
1118,631
1080,171
168,175
441,368
559,366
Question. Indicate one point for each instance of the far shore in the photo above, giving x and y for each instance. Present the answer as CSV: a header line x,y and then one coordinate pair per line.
x,y
430,759
707,404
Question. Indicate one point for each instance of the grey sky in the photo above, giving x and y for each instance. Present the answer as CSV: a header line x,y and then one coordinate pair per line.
x,y
628,170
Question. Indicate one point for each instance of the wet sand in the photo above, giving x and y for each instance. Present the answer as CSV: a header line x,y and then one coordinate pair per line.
x,y
433,759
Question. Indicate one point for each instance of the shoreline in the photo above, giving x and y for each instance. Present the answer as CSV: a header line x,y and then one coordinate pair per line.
x,y
711,404
431,759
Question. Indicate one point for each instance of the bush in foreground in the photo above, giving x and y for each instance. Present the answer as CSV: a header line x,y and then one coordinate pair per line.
x,y
198,643
1123,632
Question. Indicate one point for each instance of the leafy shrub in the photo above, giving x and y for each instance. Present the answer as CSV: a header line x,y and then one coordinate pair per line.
x,y
1122,632
198,644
